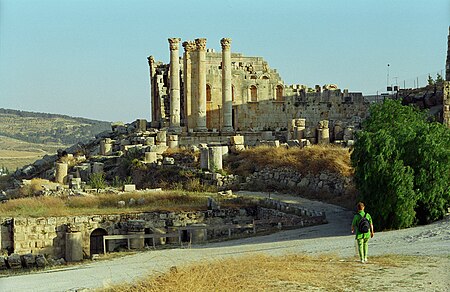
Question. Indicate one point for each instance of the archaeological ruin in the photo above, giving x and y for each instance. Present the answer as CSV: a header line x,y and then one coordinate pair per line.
x,y
224,93
213,104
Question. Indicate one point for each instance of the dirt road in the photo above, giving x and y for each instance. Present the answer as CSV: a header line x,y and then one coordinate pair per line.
x,y
432,242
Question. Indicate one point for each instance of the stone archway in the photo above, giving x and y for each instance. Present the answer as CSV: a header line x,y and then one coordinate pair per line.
x,y
96,241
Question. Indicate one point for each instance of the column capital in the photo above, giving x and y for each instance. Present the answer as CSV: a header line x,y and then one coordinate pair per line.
x,y
226,43
151,60
173,43
189,46
201,44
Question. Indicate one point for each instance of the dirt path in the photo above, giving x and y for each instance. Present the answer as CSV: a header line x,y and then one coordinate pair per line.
x,y
430,273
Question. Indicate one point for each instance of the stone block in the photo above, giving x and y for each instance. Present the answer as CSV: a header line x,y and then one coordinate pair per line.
x,y
14,261
28,260
168,161
237,140
159,149
150,157
267,136
237,148
3,265
41,261
129,188
161,137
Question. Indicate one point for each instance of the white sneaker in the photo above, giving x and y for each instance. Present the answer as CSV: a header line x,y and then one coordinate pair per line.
x,y
365,260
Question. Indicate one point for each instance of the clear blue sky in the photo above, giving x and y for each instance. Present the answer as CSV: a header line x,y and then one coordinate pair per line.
x,y
88,58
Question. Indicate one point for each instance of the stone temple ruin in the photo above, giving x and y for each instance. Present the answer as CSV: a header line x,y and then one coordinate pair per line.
x,y
209,94
215,104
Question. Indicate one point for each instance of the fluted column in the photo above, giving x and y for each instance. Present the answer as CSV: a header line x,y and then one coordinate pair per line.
x,y
187,79
174,125
227,103
201,108
153,99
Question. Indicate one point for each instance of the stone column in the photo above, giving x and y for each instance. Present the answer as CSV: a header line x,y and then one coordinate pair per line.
x,y
299,129
189,47
61,172
174,125
227,103
201,107
153,99
323,132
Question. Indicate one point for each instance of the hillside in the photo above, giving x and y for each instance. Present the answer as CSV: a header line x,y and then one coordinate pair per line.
x,y
48,128
27,136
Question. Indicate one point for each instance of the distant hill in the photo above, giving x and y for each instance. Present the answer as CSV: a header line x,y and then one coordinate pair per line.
x,y
46,128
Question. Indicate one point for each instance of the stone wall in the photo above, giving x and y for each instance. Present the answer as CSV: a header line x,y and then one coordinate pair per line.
x,y
260,99
287,179
49,236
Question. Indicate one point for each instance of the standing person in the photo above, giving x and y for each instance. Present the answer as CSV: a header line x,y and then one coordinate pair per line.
x,y
362,223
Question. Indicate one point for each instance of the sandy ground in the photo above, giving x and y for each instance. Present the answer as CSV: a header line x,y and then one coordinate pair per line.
x,y
429,272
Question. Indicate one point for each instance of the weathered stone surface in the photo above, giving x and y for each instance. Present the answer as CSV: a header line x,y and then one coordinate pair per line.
x,y
28,260
129,187
3,265
14,261
237,140
168,161
150,157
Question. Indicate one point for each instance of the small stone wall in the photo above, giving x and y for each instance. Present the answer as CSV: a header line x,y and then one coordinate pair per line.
x,y
288,179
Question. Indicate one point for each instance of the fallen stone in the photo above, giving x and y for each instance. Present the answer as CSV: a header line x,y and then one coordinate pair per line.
x,y
3,265
14,261
28,260
41,261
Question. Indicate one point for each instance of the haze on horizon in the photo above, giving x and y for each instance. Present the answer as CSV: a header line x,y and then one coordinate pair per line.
x,y
89,58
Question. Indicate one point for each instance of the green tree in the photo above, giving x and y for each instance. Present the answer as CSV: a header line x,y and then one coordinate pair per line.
x,y
402,166
439,78
430,80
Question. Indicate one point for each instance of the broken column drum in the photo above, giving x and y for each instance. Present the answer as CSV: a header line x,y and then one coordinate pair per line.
x,y
61,172
74,247
215,158
323,133
172,141
105,147
204,158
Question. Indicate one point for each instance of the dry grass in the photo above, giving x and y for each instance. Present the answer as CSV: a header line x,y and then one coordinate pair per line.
x,y
253,273
314,159
267,273
108,204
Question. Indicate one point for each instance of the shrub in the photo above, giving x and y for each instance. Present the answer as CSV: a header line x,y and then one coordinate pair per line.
x,y
97,180
402,166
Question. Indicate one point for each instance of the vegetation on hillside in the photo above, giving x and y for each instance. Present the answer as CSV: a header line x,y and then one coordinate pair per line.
x,y
402,166
314,159
107,203
48,128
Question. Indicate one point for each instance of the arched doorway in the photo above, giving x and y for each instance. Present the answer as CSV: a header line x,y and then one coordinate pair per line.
x,y
279,93
253,93
96,241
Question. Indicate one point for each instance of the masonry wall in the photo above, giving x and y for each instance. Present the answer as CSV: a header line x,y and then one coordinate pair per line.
x,y
267,110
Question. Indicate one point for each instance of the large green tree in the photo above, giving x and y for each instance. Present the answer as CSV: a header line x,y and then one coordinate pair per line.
x,y
402,166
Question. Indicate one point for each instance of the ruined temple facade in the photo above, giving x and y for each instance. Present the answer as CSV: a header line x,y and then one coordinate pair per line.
x,y
228,92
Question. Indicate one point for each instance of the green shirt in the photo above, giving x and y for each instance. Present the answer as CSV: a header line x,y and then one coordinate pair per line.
x,y
355,222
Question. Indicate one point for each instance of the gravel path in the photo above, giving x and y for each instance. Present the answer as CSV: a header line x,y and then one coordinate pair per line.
x,y
332,238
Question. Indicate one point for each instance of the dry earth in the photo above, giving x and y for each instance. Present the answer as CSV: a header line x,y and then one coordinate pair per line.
x,y
16,153
427,271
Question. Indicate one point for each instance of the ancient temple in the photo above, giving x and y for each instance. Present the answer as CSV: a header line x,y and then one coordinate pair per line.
x,y
228,92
